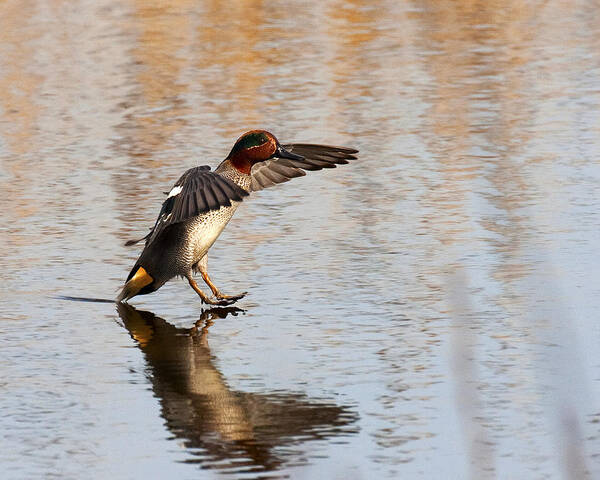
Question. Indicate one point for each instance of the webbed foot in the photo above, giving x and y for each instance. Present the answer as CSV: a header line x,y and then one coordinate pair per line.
x,y
230,298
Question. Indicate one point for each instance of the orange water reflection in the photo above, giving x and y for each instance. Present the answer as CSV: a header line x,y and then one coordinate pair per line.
x,y
449,272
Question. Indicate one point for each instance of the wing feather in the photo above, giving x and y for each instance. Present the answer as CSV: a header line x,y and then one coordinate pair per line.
x,y
274,176
230,191
287,170
315,157
220,194
196,203
211,201
260,181
199,190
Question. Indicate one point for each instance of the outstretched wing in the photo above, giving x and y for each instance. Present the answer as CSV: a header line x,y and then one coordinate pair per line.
x,y
315,157
197,191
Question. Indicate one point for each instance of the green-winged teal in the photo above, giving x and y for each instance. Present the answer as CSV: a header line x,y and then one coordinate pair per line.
x,y
202,202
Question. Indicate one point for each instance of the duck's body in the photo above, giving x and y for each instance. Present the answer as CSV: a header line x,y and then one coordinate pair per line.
x,y
202,202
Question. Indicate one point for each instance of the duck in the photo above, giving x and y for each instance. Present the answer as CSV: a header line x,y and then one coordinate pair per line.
x,y
200,204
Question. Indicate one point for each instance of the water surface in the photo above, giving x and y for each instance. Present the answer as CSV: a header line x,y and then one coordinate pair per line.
x,y
430,310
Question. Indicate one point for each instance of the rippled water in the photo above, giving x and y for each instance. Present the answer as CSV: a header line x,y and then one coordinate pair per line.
x,y
428,311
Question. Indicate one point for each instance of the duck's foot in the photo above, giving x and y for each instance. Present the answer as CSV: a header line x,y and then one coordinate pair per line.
x,y
232,298
224,300
220,303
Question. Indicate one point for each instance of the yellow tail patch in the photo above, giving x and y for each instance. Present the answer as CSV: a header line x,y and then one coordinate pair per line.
x,y
140,279
135,284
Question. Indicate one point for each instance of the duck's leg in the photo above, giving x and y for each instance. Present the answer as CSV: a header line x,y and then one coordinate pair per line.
x,y
202,267
205,298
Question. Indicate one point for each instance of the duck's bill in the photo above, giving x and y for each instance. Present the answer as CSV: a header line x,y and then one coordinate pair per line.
x,y
283,153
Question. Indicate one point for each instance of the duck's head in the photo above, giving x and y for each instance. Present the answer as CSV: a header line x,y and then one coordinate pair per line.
x,y
257,146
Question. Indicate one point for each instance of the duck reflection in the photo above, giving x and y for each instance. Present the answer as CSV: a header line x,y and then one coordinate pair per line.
x,y
223,428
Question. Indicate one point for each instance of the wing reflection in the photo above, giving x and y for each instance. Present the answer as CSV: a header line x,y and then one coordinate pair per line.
x,y
223,428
